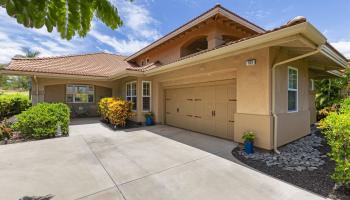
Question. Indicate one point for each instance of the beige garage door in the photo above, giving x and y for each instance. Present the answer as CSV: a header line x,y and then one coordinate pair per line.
x,y
204,109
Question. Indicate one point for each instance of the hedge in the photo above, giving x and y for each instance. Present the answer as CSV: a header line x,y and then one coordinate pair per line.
x,y
336,128
12,104
42,120
115,110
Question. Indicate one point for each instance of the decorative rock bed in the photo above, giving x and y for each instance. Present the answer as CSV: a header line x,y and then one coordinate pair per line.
x,y
297,156
303,163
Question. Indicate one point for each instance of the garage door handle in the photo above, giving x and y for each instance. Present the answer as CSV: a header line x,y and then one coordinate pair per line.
x,y
198,100
189,115
231,121
189,99
198,116
232,99
214,113
177,110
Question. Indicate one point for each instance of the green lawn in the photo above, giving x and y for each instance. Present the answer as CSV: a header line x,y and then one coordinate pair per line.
x,y
8,92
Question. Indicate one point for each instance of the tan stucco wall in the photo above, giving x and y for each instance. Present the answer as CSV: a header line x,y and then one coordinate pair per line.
x,y
253,99
292,125
54,90
55,93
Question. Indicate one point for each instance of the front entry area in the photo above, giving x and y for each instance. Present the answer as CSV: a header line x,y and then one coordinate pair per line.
x,y
207,108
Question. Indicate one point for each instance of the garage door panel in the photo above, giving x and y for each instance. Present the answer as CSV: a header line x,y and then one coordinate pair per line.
x,y
208,109
231,108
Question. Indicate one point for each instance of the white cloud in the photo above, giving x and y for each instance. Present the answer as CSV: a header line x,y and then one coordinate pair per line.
x,y
14,37
258,13
140,28
138,21
343,46
121,46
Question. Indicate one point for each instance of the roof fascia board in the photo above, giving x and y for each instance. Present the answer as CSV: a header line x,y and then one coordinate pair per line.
x,y
239,20
51,75
328,52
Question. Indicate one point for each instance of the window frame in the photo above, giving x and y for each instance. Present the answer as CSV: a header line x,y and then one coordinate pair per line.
x,y
131,95
293,90
76,92
150,96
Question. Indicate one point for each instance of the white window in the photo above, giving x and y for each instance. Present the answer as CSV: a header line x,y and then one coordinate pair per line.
x,y
131,94
312,85
80,93
146,96
292,89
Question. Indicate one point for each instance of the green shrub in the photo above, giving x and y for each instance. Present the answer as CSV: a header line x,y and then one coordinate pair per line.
x,y
248,136
115,110
41,121
12,104
336,128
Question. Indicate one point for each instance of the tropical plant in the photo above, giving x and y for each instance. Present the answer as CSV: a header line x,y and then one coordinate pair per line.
x,y
248,136
67,16
336,128
149,115
42,120
115,110
329,91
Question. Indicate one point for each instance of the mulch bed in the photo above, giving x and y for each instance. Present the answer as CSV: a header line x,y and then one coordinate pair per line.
x,y
129,124
318,181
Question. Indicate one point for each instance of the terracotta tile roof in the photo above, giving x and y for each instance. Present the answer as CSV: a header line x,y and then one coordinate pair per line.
x,y
96,64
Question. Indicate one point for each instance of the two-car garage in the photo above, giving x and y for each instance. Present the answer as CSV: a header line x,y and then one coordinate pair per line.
x,y
206,108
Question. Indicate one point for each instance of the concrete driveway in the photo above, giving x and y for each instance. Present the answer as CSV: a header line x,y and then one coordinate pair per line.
x,y
158,162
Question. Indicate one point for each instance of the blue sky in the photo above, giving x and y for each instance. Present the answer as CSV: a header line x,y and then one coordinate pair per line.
x,y
147,20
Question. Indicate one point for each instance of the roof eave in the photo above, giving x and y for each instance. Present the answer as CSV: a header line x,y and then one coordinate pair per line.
x,y
51,75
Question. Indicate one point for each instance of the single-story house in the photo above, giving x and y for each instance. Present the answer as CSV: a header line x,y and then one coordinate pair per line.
x,y
218,74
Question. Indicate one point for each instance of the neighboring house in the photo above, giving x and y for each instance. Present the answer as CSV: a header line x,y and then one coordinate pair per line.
x,y
218,74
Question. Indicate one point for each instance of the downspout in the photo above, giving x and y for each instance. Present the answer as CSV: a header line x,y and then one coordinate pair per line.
x,y
37,89
275,122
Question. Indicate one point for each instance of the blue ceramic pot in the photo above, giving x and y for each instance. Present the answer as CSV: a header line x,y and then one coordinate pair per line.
x,y
149,121
248,147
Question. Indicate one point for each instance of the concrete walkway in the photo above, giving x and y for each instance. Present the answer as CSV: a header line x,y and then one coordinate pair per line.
x,y
158,162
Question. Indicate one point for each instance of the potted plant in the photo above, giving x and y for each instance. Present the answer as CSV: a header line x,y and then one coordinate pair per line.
x,y
248,138
149,118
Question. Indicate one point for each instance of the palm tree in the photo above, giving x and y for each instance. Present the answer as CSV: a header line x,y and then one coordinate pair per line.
x,y
30,53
